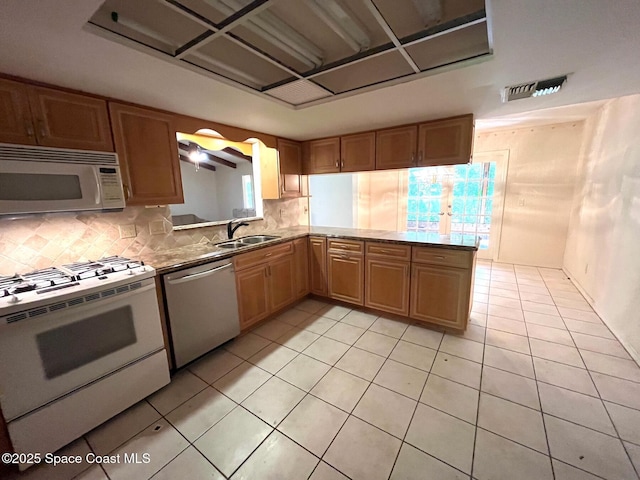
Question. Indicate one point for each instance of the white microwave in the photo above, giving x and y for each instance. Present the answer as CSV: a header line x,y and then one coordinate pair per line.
x,y
43,179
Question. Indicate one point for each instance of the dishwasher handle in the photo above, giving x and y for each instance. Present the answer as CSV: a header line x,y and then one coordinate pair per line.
x,y
206,273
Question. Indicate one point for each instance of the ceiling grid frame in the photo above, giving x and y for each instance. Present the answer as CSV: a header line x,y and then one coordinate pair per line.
x,y
214,31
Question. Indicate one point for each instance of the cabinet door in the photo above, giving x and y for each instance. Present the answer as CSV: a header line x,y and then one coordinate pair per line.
x,y
301,267
396,147
318,265
346,277
16,125
69,120
280,273
253,295
324,155
445,142
387,285
290,159
440,295
358,152
290,155
148,154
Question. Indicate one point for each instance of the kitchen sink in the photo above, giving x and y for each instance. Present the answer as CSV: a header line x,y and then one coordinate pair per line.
x,y
231,245
257,239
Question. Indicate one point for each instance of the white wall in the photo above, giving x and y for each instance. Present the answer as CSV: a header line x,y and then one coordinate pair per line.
x,y
199,190
229,188
542,172
602,254
332,200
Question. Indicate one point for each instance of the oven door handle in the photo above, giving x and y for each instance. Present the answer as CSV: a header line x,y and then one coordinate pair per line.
x,y
206,273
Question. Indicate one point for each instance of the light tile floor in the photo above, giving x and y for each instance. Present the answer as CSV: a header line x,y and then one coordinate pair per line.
x,y
536,388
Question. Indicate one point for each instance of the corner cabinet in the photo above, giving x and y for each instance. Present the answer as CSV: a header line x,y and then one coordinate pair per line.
x,y
32,115
445,142
318,265
345,270
147,149
324,156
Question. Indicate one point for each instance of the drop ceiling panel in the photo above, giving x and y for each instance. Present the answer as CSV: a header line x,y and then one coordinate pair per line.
x,y
409,17
229,57
372,70
151,23
301,51
309,22
452,47
214,10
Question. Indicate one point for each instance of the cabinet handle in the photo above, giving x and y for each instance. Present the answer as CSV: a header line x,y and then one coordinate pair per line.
x,y
268,254
127,192
29,128
43,131
420,157
413,158
439,257
342,163
344,255
337,164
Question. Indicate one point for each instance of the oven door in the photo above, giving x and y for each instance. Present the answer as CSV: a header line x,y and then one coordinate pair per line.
x,y
34,187
45,357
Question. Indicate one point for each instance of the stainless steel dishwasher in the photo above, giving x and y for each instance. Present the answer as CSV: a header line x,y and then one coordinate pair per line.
x,y
203,309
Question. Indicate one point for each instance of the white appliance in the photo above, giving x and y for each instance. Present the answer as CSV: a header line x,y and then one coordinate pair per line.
x,y
203,309
44,179
78,345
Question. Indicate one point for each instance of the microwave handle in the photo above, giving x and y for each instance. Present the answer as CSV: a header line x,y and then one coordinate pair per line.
x,y
96,174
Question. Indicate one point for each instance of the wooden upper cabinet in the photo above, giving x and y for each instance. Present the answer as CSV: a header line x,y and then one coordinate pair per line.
x,y
324,156
69,120
16,125
358,152
396,147
290,155
445,142
148,154
290,158
32,115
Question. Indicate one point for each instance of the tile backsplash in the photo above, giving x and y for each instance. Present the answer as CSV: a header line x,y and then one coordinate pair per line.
x,y
40,241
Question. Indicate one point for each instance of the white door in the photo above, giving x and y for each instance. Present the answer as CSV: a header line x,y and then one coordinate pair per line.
x,y
460,200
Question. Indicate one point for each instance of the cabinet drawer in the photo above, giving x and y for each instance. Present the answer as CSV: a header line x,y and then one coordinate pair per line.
x,y
262,255
339,245
442,256
388,250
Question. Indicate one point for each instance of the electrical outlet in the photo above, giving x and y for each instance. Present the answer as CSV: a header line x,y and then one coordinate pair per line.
x,y
156,227
521,202
281,212
127,231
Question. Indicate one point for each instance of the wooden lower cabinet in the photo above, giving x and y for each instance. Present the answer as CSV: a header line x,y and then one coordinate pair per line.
x,y
264,282
253,295
387,285
346,277
440,295
300,267
280,283
318,265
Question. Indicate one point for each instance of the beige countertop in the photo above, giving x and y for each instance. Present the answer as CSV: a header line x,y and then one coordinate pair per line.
x,y
173,259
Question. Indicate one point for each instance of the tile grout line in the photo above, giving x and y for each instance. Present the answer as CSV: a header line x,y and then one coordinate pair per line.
x,y
416,409
602,403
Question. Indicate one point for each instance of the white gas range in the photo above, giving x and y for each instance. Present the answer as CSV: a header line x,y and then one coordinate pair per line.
x,y
78,344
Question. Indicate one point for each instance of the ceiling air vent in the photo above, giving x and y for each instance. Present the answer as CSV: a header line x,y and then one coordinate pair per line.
x,y
533,89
